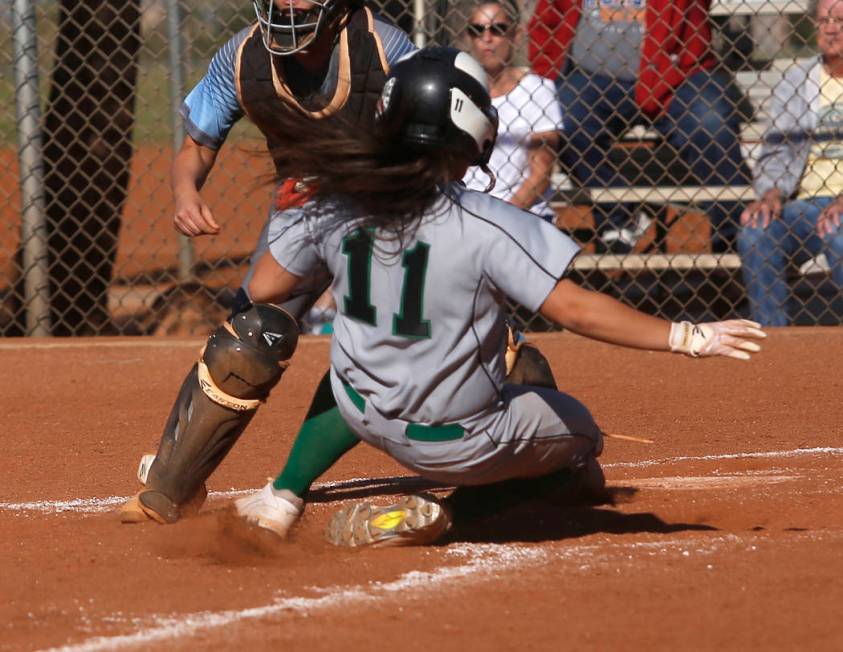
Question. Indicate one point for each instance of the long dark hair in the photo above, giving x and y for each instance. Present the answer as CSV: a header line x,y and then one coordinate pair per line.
x,y
387,185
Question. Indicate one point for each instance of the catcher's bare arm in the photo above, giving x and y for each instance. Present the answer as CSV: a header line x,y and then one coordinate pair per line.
x,y
191,167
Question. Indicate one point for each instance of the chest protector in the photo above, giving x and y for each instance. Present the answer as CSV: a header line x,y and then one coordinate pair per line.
x,y
361,74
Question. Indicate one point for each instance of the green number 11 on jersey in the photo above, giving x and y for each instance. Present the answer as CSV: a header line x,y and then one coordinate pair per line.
x,y
357,304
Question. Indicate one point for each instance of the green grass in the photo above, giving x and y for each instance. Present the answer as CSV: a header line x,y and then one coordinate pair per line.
x,y
153,118
206,26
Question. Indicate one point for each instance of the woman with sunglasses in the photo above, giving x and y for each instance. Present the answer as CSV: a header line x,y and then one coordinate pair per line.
x,y
527,107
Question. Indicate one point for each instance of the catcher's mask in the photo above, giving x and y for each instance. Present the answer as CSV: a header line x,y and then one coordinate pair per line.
x,y
289,26
438,99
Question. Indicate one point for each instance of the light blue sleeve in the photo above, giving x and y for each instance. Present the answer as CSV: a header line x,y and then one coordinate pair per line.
x,y
786,144
395,42
212,107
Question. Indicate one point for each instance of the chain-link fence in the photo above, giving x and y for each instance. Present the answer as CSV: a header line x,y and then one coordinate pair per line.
x,y
690,147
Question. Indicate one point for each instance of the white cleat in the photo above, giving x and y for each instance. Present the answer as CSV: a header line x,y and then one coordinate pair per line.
x,y
144,466
269,511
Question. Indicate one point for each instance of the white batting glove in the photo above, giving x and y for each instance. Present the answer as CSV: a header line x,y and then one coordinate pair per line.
x,y
268,510
732,338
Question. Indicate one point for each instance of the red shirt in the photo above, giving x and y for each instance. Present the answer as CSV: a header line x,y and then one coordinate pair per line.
x,y
676,43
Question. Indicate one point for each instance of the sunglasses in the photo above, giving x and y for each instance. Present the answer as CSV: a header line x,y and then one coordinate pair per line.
x,y
476,30
828,21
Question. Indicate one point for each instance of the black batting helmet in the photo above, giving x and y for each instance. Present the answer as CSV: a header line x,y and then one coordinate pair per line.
x,y
288,27
437,98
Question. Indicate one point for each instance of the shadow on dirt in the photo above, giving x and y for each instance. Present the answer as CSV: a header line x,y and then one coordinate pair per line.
x,y
541,520
373,487
505,516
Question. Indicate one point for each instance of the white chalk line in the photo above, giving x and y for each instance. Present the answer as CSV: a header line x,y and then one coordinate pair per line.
x,y
727,456
106,504
94,505
484,558
484,561
99,505
702,482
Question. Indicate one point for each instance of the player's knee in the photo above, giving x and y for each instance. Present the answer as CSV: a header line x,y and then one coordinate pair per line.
x,y
582,425
244,356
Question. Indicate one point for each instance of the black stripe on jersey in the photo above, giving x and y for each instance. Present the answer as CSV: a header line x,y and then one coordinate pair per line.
x,y
480,362
508,235
287,227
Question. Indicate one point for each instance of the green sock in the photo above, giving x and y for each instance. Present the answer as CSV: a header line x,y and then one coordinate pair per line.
x,y
323,438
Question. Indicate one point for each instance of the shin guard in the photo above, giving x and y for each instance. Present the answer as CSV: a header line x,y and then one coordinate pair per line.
x,y
242,361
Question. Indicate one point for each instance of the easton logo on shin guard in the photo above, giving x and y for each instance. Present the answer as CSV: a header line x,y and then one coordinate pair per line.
x,y
272,338
220,397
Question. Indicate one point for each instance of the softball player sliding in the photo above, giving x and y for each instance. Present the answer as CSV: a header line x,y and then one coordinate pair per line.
x,y
421,269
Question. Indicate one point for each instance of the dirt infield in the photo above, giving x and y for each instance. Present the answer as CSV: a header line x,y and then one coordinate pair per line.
x,y
730,535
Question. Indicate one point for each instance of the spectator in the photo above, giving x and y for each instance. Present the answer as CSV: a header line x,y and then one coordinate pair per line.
x,y
528,133
625,62
799,176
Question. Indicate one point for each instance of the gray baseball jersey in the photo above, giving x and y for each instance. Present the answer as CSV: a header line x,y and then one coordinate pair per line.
x,y
417,327
419,337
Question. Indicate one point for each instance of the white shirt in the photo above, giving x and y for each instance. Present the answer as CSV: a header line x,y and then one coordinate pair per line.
x,y
530,107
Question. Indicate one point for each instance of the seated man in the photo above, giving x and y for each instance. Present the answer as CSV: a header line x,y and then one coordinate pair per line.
x,y
624,63
801,157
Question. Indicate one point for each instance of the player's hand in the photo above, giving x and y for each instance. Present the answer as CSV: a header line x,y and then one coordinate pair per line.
x,y
829,220
733,338
193,217
763,211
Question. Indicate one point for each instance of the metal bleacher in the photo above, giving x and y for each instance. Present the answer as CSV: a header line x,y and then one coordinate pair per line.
x,y
669,203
